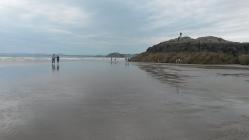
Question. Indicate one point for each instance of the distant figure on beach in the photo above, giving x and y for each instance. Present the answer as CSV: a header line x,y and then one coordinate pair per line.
x,y
113,60
178,61
180,37
58,59
53,59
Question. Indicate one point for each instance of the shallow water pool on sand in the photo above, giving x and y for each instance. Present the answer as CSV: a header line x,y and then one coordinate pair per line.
x,y
97,100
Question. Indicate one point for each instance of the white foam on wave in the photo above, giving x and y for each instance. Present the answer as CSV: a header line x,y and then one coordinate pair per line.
x,y
35,59
22,59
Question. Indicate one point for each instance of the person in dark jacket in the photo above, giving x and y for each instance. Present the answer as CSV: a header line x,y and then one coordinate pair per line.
x,y
58,59
53,58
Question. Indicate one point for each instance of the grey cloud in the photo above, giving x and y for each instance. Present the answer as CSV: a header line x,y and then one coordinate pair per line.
x,y
88,26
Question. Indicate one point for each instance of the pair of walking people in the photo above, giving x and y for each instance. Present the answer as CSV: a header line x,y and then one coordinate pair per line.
x,y
55,57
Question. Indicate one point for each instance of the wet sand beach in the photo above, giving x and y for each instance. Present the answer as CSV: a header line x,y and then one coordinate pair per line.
x,y
97,100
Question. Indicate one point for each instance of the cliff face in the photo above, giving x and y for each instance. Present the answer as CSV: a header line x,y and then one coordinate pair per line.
x,y
190,50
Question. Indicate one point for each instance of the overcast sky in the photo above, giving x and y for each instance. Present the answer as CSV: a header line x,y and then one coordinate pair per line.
x,y
126,26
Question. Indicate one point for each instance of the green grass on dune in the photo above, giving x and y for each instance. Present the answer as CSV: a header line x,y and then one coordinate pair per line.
x,y
192,58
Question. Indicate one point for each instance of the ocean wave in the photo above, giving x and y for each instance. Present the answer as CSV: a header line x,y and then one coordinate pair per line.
x,y
34,59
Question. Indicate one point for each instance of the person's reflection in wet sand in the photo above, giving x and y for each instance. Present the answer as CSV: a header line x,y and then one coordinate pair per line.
x,y
127,63
53,67
58,67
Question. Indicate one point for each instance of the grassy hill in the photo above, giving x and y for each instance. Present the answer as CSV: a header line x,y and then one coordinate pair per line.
x,y
203,50
118,55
